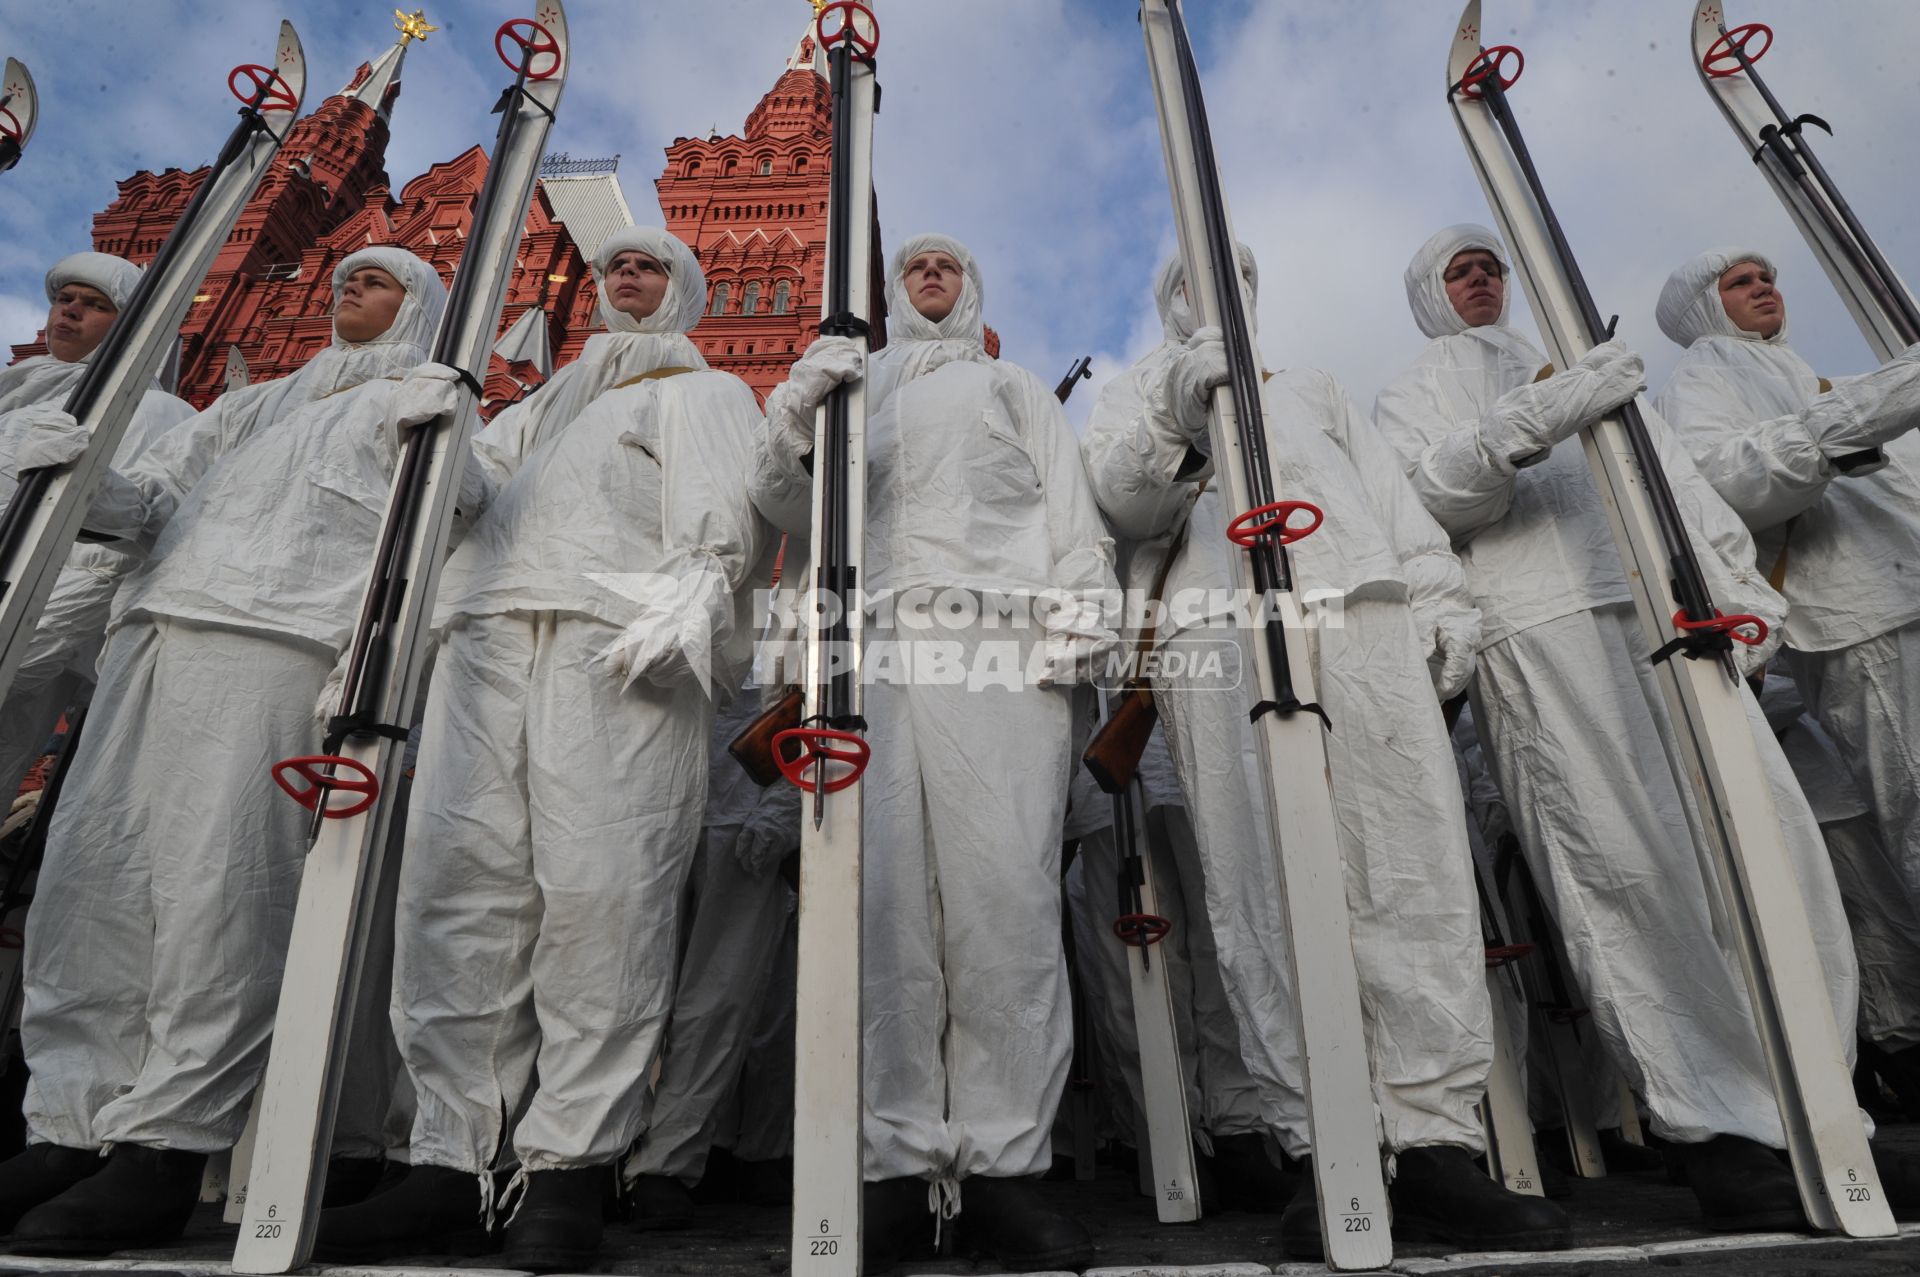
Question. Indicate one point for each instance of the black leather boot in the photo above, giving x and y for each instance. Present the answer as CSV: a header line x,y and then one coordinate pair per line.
x,y
352,1179
1300,1221
1741,1186
1899,1180
1440,1195
432,1209
1245,1178
140,1197
1624,1157
895,1221
768,1183
556,1227
659,1202
40,1173
1007,1219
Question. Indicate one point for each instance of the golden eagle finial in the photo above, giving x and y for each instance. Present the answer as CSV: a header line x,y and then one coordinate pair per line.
x,y
413,26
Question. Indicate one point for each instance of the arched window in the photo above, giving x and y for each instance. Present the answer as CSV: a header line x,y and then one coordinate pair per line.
x,y
720,294
766,165
750,300
780,291
693,168
730,167
799,163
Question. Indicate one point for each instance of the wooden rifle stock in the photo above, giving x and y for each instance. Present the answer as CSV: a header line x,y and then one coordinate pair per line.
x,y
1113,755
753,748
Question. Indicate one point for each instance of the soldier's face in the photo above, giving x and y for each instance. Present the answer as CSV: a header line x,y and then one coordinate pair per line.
x,y
1476,285
933,283
77,321
636,283
1748,295
369,299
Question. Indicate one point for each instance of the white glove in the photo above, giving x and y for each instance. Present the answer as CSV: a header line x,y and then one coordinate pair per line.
x,y
829,362
1868,410
1456,644
52,438
770,832
427,392
1076,635
672,638
22,813
1534,417
1191,378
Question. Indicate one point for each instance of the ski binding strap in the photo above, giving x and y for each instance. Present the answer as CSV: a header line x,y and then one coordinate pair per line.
x,y
319,785
846,324
1269,523
1715,634
819,748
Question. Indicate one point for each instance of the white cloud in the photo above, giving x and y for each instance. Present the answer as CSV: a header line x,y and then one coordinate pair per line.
x,y
1026,128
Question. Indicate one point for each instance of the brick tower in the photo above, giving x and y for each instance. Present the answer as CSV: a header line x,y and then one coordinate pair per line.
x,y
754,210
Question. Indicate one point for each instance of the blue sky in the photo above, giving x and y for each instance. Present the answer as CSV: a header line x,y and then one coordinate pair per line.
x,y
1026,128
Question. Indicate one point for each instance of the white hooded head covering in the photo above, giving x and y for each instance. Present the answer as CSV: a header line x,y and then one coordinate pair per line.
x,y
1690,306
917,345
686,298
419,314
115,276
1426,277
1433,311
341,365
44,378
631,347
1177,319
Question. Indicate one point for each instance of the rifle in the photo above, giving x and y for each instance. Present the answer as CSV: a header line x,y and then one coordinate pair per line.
x,y
753,748
1082,368
1113,755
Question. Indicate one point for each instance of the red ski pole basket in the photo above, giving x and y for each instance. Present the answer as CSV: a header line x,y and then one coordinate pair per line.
x,y
266,85
1499,955
1138,930
533,42
1723,59
824,759
1491,64
1272,523
306,783
854,24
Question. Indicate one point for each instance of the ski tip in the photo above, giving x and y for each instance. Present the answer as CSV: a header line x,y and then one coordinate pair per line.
x,y
1466,43
1709,16
290,62
22,99
552,15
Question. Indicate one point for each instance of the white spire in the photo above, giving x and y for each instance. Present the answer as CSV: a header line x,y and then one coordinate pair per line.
x,y
807,53
374,82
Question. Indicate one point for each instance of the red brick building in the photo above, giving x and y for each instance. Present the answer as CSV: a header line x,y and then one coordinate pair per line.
x,y
752,207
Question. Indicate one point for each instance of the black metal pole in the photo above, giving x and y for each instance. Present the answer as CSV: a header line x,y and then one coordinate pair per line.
x,y
33,484
1799,161
1689,581
1271,570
